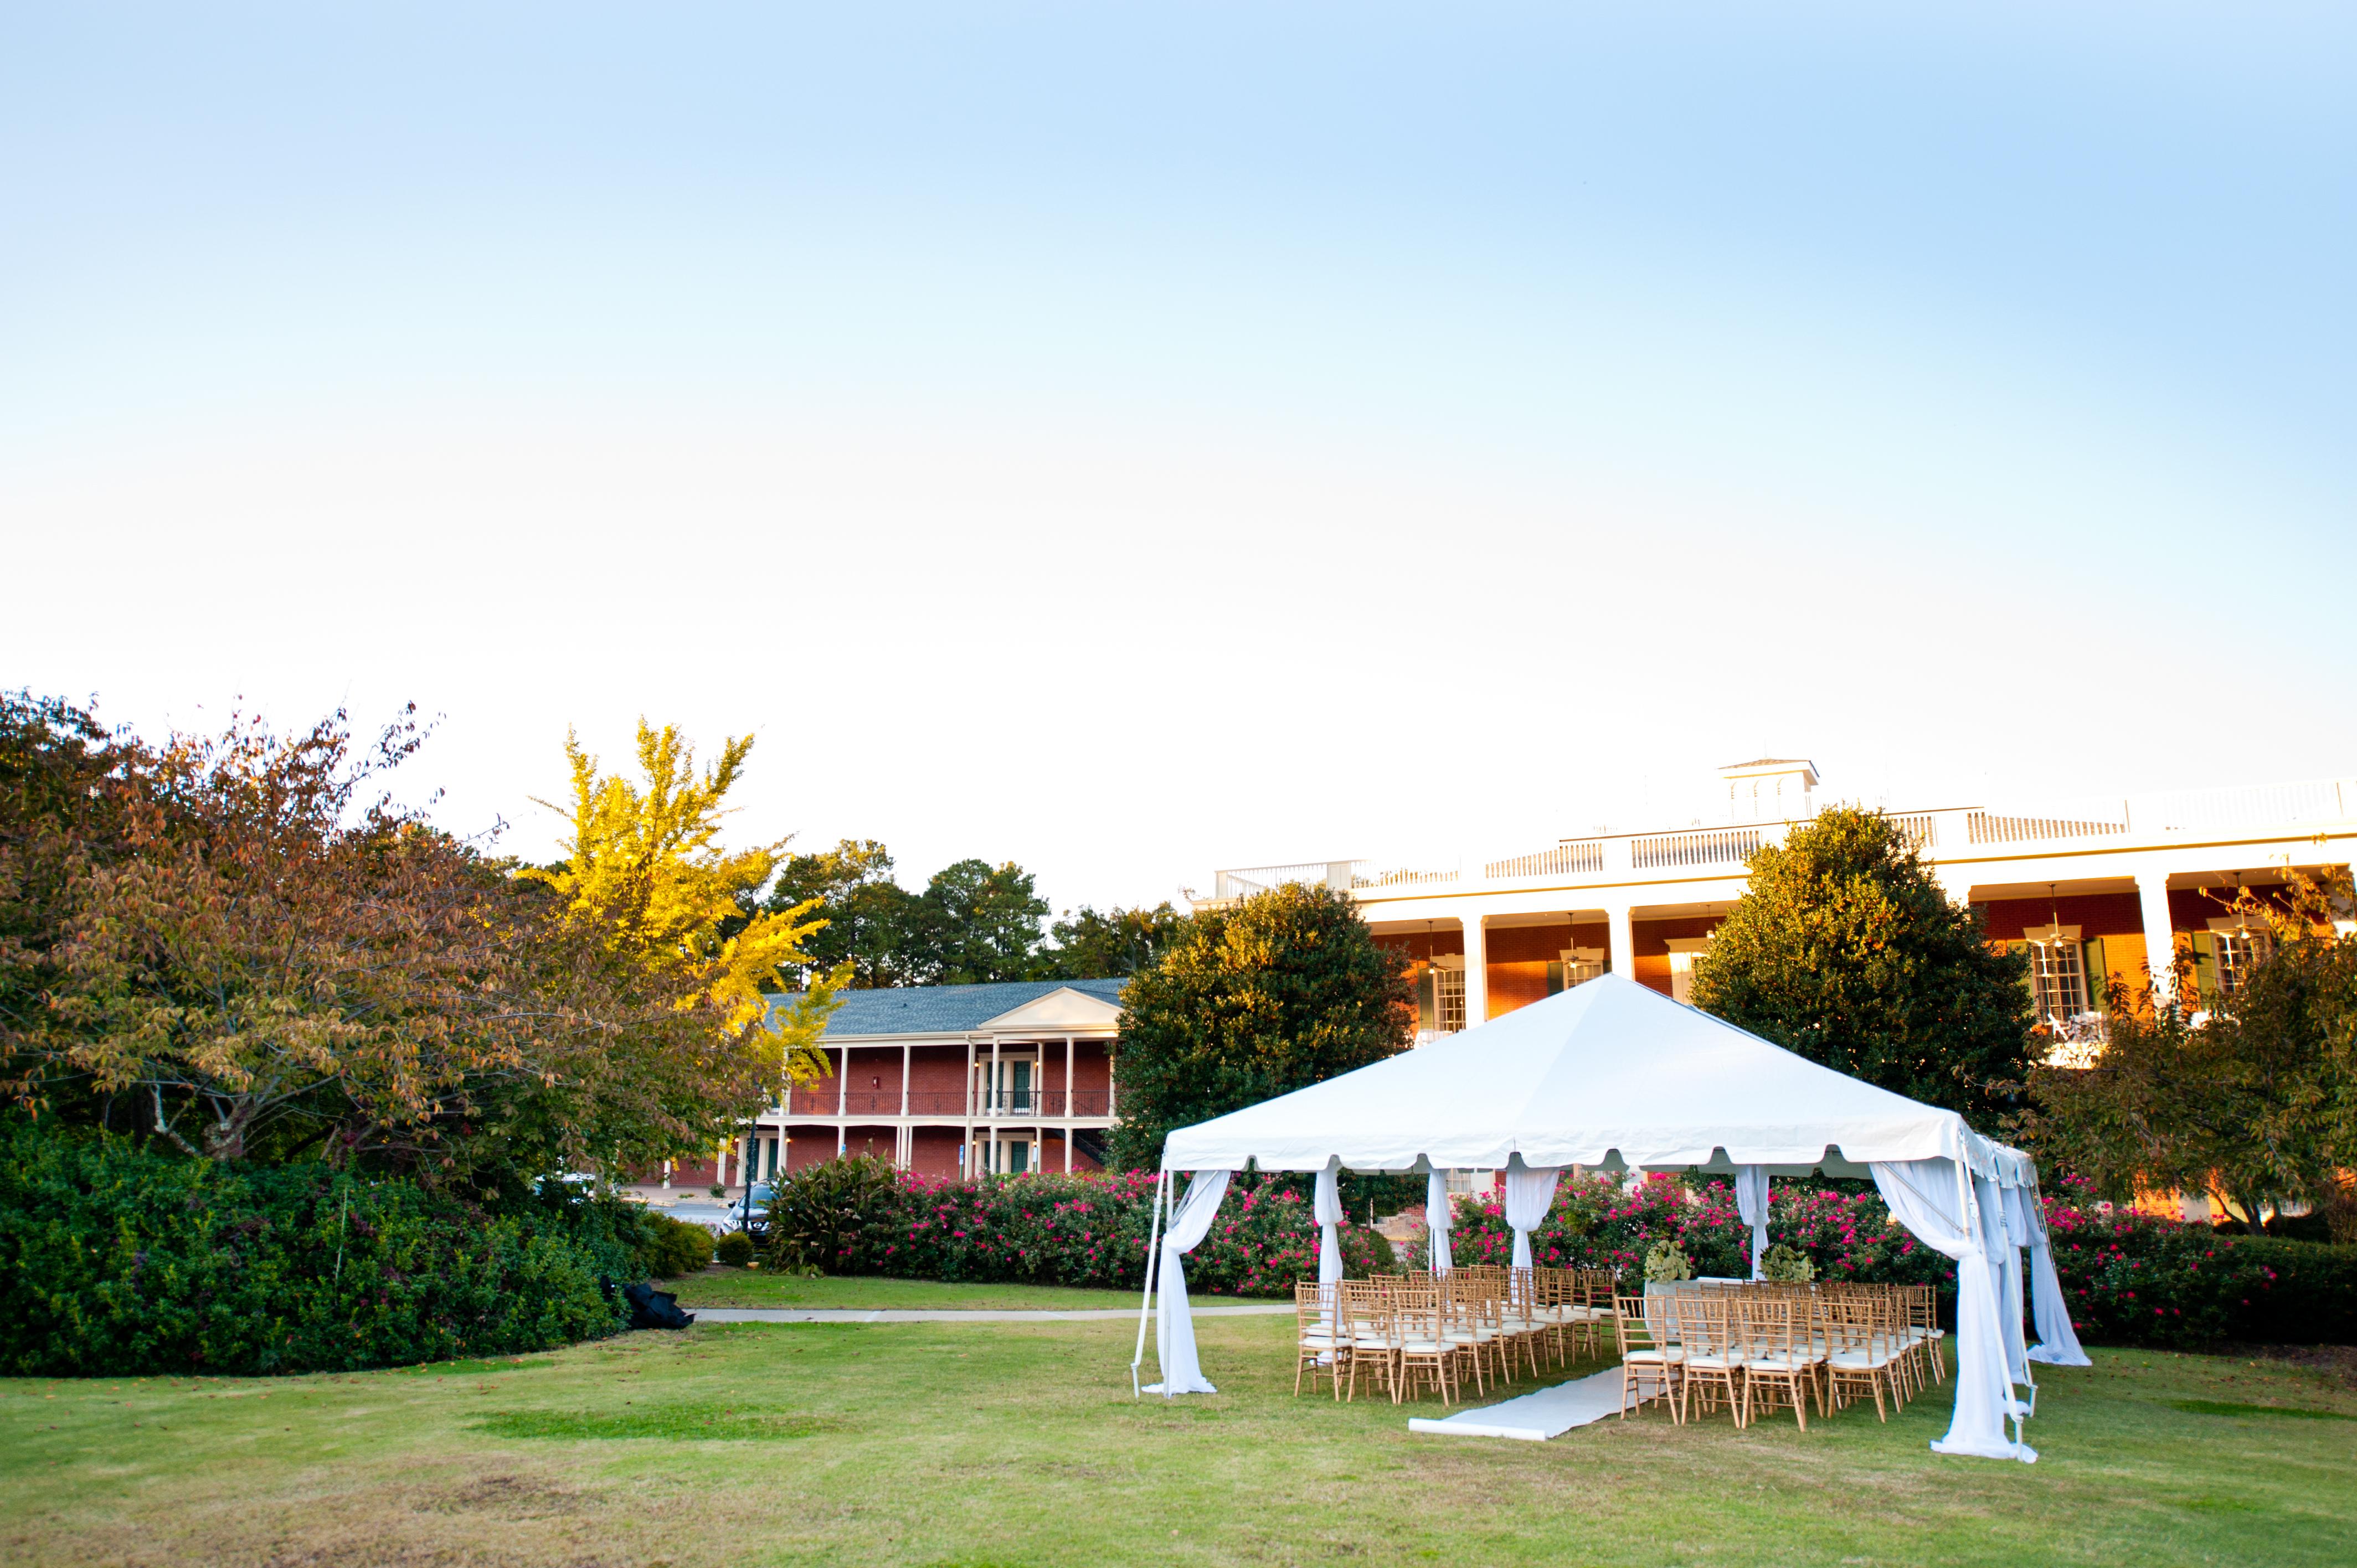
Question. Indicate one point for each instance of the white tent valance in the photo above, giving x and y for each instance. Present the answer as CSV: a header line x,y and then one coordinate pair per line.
x,y
1613,1074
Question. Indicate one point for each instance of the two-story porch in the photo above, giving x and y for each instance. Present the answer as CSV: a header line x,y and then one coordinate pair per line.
x,y
951,1080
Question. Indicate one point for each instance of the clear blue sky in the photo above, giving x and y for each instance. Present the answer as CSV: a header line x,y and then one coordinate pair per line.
x,y
1133,440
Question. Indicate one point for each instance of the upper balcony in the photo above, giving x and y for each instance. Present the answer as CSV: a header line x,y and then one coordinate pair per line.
x,y
2296,810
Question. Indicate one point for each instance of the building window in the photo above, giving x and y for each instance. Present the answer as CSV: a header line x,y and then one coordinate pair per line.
x,y
1581,965
2058,982
2239,951
1683,952
1449,997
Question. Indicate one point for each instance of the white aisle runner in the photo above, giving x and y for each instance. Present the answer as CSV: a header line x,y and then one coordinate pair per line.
x,y
1535,1418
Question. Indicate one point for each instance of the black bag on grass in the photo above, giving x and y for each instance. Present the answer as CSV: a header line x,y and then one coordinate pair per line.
x,y
652,1308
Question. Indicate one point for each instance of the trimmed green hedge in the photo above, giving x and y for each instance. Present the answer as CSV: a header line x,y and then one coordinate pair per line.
x,y
116,1259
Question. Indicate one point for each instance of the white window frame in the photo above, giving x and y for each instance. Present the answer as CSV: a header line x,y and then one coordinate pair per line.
x,y
1581,965
1684,951
1447,993
2236,948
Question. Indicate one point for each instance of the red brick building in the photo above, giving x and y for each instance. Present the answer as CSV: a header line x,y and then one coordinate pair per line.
x,y
947,1080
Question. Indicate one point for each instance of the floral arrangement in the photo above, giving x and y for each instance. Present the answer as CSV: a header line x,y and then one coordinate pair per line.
x,y
1787,1265
1665,1263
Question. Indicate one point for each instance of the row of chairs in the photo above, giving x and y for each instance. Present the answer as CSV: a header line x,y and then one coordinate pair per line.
x,y
1415,1331
1760,1347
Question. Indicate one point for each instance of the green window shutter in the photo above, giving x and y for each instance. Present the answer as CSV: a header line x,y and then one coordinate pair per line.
x,y
2099,979
2205,968
1554,978
1424,1003
2028,974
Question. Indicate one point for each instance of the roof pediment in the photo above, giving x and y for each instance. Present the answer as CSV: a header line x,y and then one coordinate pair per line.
x,y
1062,1008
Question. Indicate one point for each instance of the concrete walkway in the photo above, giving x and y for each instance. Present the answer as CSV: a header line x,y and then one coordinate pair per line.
x,y
853,1315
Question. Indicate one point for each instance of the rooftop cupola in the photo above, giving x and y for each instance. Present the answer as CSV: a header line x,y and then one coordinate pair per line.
x,y
1771,789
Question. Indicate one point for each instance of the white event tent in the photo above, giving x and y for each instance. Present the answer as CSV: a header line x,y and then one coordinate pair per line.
x,y
1612,1075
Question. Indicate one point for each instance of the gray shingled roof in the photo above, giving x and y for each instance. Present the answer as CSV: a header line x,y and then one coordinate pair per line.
x,y
948,1009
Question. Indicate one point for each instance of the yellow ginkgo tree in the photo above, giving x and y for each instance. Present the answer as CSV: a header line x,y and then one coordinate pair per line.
x,y
644,870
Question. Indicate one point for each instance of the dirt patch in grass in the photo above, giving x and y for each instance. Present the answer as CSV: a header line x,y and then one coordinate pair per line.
x,y
509,1497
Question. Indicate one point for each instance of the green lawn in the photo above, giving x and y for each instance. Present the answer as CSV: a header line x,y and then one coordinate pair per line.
x,y
753,1287
1018,1443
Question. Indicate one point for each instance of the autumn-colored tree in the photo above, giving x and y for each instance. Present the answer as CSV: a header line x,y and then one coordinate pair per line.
x,y
645,873
244,949
2250,1100
253,950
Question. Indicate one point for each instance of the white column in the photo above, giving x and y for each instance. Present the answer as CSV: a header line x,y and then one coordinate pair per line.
x,y
1071,1106
720,1162
904,1080
1623,926
2159,938
843,1106
1477,972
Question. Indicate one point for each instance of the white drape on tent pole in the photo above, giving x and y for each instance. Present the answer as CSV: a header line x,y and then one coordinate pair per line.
x,y
1529,1195
1438,1214
1934,1199
2058,1341
1328,1211
1174,1340
2004,1254
1752,1204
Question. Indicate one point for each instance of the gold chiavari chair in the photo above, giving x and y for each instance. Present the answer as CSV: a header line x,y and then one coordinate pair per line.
x,y
1921,1306
1425,1354
1861,1354
1374,1334
1525,1331
1778,1356
1713,1361
1648,1361
1465,1327
1321,1340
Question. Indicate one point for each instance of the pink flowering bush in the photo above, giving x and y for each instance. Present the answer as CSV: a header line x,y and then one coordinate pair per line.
x,y
2132,1279
861,1217
1595,1224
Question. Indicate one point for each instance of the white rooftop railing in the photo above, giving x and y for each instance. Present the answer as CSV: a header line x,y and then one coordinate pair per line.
x,y
1942,834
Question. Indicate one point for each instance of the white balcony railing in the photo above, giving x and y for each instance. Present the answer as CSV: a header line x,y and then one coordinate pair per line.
x,y
1989,827
2244,806
1702,847
1342,875
1573,857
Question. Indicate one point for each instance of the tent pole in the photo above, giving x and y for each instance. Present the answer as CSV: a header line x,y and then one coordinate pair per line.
x,y
1145,1306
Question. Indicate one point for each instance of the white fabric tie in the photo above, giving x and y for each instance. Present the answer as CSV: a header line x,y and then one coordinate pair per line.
x,y
1437,1216
1529,1195
1174,1326
1328,1211
1929,1199
1751,1203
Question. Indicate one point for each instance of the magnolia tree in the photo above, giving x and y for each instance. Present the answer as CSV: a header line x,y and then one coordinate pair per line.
x,y
1844,948
1283,991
